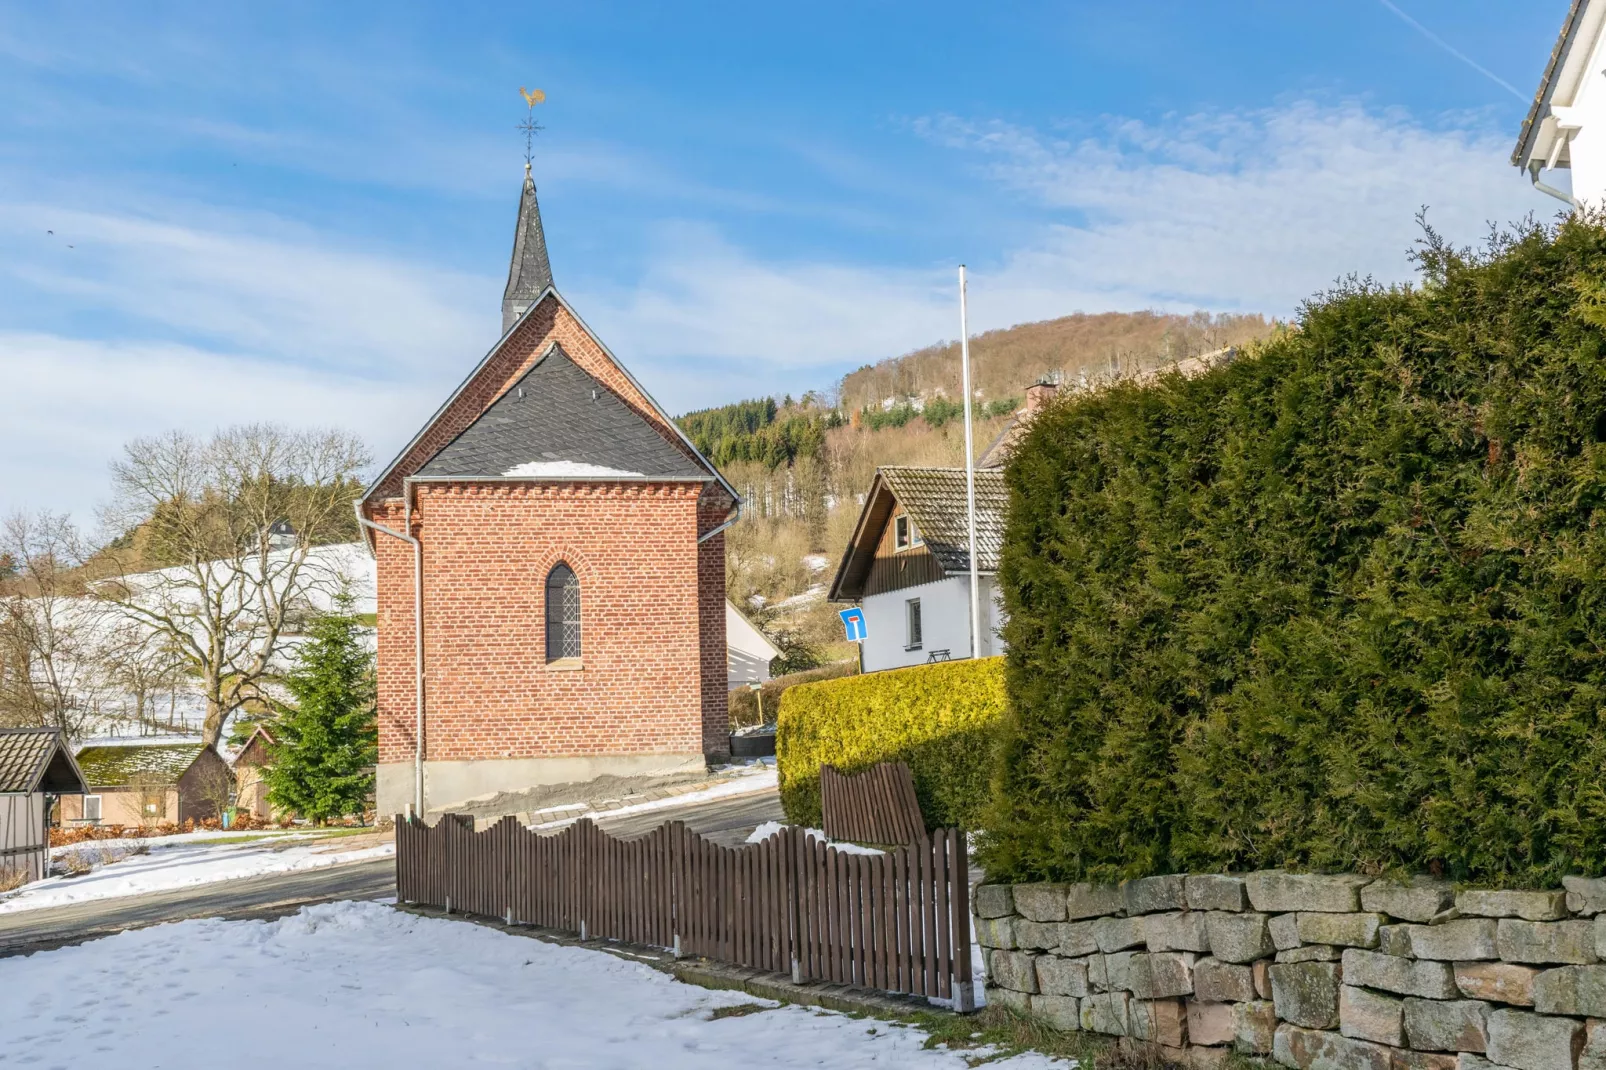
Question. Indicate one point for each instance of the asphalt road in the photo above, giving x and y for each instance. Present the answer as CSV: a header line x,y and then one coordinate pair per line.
x,y
725,821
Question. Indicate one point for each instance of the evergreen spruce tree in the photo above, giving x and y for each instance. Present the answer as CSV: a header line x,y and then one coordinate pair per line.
x,y
327,744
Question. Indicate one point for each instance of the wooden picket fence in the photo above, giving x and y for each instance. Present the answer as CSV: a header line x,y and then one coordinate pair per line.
x,y
898,921
877,805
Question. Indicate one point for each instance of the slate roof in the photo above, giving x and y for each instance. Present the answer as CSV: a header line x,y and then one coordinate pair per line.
x,y
530,271
122,765
935,499
27,754
558,412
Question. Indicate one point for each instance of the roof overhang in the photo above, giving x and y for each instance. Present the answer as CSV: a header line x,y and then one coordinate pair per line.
x,y
854,568
1542,142
552,292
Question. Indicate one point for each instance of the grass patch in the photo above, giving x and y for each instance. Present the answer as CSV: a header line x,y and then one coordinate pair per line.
x,y
739,1010
996,1033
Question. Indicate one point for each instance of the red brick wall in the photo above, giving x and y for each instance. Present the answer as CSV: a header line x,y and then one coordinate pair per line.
x,y
652,623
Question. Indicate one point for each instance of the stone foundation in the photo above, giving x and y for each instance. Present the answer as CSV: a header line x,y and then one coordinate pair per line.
x,y
1313,972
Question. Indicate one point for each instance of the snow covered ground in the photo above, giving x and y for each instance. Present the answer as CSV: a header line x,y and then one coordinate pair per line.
x,y
362,985
181,862
747,779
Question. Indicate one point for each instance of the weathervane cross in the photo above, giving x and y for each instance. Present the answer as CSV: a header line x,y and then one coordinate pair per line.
x,y
532,97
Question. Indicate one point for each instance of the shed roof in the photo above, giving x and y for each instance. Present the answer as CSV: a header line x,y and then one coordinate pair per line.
x,y
935,499
560,422
123,765
34,759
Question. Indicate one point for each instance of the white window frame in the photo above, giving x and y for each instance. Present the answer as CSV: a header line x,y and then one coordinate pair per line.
x,y
913,625
905,535
98,808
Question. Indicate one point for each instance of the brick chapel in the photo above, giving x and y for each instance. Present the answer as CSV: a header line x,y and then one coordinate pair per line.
x,y
561,541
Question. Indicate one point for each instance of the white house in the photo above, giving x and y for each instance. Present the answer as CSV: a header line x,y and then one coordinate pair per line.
x,y
748,651
1565,130
908,565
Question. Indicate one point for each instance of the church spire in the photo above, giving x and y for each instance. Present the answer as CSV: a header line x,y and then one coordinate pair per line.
x,y
531,271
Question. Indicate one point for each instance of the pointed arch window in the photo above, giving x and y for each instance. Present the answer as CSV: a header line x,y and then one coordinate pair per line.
x,y
562,613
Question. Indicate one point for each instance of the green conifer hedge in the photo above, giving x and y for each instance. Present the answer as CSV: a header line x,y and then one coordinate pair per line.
x,y
1340,605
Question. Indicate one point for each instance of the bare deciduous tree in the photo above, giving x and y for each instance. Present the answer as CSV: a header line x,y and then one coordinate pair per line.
x,y
47,634
220,557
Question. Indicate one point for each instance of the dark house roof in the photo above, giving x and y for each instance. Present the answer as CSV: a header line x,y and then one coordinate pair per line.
x,y
935,499
35,759
121,765
1536,111
559,421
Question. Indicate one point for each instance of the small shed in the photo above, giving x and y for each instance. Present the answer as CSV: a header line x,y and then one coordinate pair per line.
x,y
134,782
35,768
250,767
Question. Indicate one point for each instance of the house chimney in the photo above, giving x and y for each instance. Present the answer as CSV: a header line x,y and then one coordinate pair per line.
x,y
1039,395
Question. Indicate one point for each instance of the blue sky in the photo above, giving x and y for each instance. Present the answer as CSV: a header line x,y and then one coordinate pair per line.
x,y
303,212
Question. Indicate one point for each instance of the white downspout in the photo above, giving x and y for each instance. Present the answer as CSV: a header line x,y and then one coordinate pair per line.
x,y
418,635
1534,167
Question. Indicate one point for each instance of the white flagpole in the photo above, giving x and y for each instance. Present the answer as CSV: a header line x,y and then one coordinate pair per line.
x,y
970,470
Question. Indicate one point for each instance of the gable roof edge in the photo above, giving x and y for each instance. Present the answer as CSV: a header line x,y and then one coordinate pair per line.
x,y
551,290
1547,84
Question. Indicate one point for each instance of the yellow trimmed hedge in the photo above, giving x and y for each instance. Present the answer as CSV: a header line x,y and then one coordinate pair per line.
x,y
941,719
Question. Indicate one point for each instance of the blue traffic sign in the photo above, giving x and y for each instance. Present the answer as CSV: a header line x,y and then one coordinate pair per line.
x,y
853,624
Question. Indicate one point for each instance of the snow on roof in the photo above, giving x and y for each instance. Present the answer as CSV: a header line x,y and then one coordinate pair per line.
x,y
559,469
137,762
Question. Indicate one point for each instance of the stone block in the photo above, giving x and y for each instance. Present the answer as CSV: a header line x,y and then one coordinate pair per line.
x,y
1306,993
1407,977
1277,892
1157,1021
1176,932
1037,935
1118,934
1395,940
1261,971
1014,970
1060,1012
1284,929
1405,1059
1418,899
1161,974
1092,900
1040,902
1309,953
1579,990
1105,1012
1585,895
1238,937
1529,906
1254,1026
1214,891
1600,935
1210,1024
1367,1015
1061,977
1469,1061
1019,1002
1215,981
1202,1057
1118,970
1447,1025
1531,1041
1098,977
1501,982
996,932
1593,1055
1151,895
1546,942
993,901
1341,930
1314,1049
1076,938
1464,940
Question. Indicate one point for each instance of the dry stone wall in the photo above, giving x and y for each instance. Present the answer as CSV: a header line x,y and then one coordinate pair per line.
x,y
1314,972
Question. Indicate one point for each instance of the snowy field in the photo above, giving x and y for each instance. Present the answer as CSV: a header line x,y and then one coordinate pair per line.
x,y
181,862
362,985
